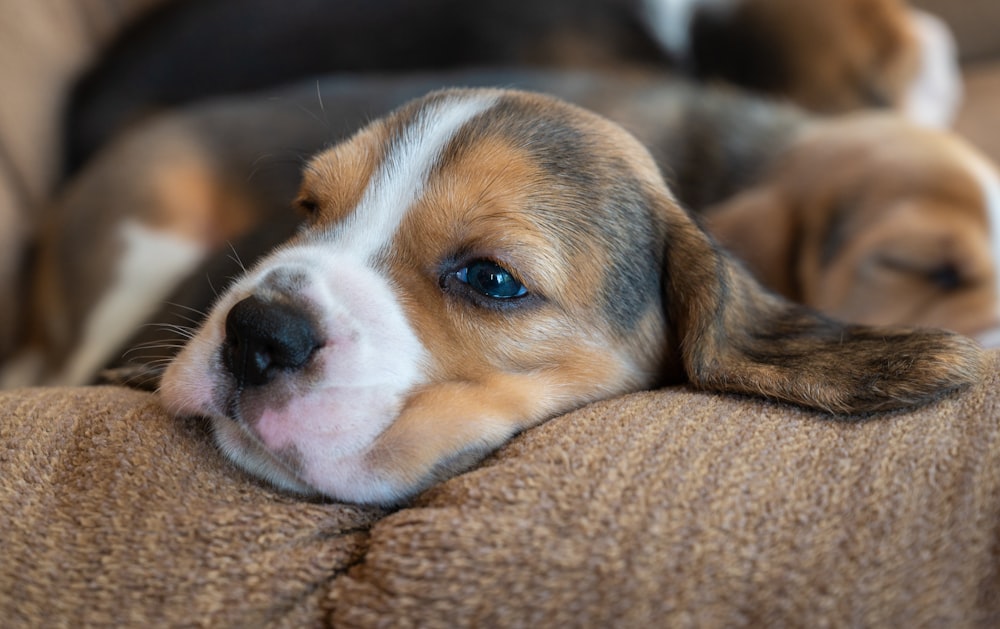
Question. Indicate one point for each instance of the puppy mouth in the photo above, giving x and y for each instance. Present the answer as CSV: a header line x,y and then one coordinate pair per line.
x,y
241,444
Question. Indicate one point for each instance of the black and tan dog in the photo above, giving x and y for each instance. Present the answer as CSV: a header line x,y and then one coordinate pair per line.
x,y
479,261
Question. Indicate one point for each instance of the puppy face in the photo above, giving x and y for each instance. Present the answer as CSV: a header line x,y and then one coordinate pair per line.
x,y
875,221
480,261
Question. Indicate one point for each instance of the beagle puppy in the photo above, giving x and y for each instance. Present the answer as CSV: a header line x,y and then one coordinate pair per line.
x,y
776,186
831,56
478,261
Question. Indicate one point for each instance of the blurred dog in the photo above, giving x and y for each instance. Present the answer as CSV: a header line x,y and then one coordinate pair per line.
x,y
830,56
875,221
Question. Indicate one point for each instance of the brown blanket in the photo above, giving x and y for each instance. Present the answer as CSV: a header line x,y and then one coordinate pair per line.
x,y
664,508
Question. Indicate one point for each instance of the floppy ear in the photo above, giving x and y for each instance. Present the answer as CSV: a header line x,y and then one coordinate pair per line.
x,y
733,335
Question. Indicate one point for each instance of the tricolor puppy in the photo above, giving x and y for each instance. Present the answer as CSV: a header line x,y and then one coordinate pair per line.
x,y
479,261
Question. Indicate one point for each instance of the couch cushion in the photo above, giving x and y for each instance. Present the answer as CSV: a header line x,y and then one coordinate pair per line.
x,y
113,514
677,508
670,507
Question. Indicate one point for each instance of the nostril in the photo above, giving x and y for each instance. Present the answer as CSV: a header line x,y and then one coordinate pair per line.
x,y
264,338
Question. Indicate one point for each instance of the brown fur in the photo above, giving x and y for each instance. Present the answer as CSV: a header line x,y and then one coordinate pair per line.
x,y
826,56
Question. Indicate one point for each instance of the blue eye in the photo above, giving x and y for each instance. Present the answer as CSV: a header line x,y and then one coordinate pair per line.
x,y
491,280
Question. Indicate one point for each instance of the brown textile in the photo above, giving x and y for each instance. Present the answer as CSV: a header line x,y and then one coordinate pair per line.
x,y
113,514
668,508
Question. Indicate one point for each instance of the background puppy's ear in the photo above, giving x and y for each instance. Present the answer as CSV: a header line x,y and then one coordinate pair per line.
x,y
760,228
735,336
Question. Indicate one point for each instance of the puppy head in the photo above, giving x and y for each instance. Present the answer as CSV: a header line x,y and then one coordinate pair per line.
x,y
877,221
477,262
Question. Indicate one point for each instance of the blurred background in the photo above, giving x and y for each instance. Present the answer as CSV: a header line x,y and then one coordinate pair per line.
x,y
976,25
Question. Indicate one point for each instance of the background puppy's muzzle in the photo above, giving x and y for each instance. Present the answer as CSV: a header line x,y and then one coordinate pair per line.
x,y
265,338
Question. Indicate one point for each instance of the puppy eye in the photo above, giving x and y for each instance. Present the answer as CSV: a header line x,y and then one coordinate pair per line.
x,y
491,280
307,206
946,277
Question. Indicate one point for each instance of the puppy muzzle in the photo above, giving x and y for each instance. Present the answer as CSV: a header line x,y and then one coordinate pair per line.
x,y
266,338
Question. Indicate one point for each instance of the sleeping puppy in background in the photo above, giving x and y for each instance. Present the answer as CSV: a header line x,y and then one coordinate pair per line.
x,y
870,219
866,217
873,221
831,56
479,261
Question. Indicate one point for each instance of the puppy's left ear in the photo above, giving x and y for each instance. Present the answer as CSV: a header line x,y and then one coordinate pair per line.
x,y
732,335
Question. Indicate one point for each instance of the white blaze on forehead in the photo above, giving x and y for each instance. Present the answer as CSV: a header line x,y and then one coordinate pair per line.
x,y
400,180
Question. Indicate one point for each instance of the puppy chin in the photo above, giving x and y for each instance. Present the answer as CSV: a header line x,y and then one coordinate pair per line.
x,y
240,447
310,460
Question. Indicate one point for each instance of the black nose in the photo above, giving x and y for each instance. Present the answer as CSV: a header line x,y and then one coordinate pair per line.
x,y
264,338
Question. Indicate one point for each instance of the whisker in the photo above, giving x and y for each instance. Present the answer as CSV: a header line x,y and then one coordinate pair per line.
x,y
324,120
186,307
185,331
236,257
195,323
152,345
174,327
130,355
179,331
212,286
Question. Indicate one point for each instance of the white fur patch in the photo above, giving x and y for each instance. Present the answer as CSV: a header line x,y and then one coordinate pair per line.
x,y
935,94
670,22
152,264
400,179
